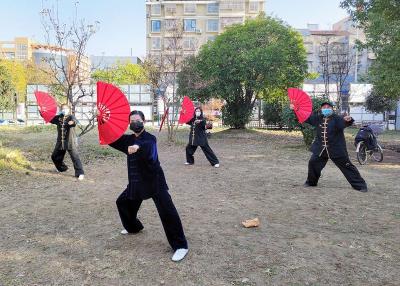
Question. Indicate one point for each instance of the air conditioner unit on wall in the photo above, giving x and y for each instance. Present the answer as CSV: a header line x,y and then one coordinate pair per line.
x,y
198,31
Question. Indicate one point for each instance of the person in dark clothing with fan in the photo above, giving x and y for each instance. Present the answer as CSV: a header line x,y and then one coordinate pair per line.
x,y
66,141
146,180
198,137
330,143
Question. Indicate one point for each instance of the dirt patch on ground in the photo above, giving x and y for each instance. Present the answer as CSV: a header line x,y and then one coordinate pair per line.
x,y
58,231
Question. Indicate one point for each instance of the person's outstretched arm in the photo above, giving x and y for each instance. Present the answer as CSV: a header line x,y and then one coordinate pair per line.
x,y
121,144
55,119
190,122
312,120
344,121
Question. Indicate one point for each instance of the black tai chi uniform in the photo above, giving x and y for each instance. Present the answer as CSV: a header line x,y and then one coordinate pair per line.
x,y
330,143
146,180
198,137
66,141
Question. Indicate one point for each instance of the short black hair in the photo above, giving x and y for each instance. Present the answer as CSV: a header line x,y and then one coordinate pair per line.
x,y
133,112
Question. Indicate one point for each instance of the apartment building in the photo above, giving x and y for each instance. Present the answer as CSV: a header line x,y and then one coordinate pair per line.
x,y
200,20
344,35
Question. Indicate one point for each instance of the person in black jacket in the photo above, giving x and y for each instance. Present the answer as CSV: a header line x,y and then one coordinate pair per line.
x,y
330,143
66,141
198,137
146,180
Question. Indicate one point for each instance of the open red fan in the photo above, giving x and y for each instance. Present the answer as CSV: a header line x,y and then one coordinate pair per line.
x,y
112,112
47,105
187,110
301,102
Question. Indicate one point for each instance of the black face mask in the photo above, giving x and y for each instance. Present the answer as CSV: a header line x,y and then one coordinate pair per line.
x,y
136,126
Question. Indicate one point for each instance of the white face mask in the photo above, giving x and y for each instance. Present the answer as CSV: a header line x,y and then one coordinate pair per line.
x,y
198,114
65,111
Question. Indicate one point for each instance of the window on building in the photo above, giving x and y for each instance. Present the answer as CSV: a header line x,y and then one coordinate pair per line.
x,y
169,43
189,25
211,38
156,43
9,55
189,44
190,9
171,24
212,25
156,26
22,47
232,6
170,8
212,8
156,9
253,7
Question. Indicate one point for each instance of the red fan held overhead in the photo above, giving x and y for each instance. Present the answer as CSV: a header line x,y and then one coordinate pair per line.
x,y
112,113
187,110
47,105
301,102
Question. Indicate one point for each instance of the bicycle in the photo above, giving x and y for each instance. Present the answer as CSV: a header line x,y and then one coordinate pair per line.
x,y
367,145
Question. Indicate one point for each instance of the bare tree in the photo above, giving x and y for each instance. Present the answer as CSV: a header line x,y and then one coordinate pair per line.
x,y
68,63
324,56
337,61
162,69
342,62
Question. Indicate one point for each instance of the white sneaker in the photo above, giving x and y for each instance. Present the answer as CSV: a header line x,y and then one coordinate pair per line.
x,y
187,163
216,166
81,177
179,254
124,231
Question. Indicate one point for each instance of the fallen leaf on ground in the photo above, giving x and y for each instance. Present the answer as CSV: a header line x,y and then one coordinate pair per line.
x,y
251,222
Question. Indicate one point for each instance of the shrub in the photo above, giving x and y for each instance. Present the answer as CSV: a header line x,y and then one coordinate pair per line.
x,y
12,159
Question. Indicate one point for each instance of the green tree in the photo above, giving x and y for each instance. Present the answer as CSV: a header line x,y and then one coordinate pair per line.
x,y
259,59
7,90
121,73
378,103
380,19
18,76
272,112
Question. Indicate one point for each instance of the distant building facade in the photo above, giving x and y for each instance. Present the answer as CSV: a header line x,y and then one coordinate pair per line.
x,y
24,49
344,34
108,62
201,20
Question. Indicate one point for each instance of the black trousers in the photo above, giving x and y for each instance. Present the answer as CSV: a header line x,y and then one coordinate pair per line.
x,y
58,160
317,163
128,209
191,149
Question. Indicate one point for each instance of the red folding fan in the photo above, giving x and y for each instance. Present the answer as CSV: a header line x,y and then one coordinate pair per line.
x,y
47,105
112,112
301,102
